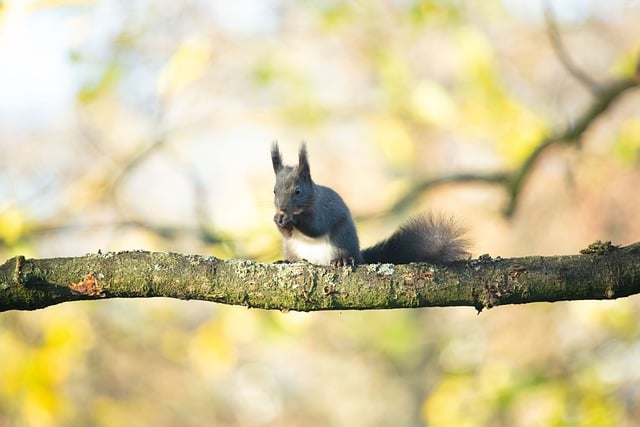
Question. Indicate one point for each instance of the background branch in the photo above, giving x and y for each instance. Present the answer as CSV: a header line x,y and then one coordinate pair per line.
x,y
514,180
572,134
408,198
563,55
604,272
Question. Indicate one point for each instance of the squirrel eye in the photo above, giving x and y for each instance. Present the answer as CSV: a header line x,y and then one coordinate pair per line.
x,y
297,191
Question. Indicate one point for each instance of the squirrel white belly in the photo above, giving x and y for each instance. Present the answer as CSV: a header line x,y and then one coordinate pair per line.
x,y
316,250
316,226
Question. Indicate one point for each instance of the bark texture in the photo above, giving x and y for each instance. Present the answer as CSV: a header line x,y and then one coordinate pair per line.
x,y
602,271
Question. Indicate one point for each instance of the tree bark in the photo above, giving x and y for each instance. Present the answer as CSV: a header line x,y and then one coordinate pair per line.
x,y
601,272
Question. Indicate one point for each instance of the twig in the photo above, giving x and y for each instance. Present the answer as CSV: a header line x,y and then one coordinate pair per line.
x,y
403,203
563,54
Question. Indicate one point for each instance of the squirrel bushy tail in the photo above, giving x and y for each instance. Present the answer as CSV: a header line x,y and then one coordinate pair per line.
x,y
425,238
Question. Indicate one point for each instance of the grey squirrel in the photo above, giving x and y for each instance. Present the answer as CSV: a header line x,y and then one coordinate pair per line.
x,y
316,225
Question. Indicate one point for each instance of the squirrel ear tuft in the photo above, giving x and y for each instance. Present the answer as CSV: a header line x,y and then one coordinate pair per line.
x,y
276,158
303,164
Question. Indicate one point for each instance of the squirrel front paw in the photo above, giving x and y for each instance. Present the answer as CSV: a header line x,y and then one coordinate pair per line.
x,y
343,262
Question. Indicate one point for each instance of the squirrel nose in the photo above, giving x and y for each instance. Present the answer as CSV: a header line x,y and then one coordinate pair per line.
x,y
282,219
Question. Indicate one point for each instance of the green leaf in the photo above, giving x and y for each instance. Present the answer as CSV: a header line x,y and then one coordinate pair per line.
x,y
92,91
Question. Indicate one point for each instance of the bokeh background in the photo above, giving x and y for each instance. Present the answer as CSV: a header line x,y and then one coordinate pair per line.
x,y
147,125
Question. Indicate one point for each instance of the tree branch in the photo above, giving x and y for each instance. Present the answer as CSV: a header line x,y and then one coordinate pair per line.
x,y
607,94
514,180
603,272
562,54
464,178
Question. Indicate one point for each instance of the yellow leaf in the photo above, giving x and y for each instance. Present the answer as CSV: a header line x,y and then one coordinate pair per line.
x,y
187,65
210,350
600,409
432,104
393,138
474,49
395,78
626,65
455,402
12,225
627,145
520,131
94,90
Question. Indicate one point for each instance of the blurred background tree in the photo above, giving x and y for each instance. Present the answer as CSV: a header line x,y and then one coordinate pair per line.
x,y
143,124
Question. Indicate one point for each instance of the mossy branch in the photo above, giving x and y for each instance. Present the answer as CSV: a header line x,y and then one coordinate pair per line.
x,y
601,272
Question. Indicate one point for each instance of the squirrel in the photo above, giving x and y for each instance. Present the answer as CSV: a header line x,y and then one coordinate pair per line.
x,y
316,226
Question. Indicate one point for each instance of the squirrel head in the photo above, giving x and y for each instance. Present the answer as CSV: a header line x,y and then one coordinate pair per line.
x,y
293,192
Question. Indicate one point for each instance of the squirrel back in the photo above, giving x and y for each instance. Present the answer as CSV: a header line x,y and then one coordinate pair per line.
x,y
316,226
